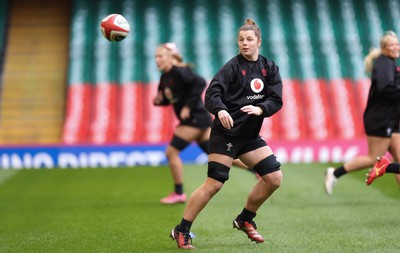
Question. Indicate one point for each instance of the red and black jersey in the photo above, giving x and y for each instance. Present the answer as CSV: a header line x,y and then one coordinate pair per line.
x,y
241,82
383,105
180,87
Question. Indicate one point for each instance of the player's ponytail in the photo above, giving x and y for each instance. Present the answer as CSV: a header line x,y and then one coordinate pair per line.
x,y
370,58
376,52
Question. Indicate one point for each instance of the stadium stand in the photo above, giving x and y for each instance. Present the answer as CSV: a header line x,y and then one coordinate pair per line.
x,y
3,33
32,101
318,44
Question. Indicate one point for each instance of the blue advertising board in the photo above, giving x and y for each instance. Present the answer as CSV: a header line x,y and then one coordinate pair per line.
x,y
112,156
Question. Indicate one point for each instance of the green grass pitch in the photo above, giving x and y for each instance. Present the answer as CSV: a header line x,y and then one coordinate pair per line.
x,y
118,210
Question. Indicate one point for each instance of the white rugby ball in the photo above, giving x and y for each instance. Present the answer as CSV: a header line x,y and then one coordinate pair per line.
x,y
114,27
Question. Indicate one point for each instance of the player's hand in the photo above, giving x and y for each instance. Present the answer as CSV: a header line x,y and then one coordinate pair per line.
x,y
225,119
158,99
168,94
250,109
185,113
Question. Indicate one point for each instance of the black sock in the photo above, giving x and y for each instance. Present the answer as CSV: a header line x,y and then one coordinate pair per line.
x,y
184,226
393,168
339,172
246,215
179,188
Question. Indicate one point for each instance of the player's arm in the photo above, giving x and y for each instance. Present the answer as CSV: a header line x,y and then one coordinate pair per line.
x,y
214,95
274,101
387,83
195,86
159,99
215,92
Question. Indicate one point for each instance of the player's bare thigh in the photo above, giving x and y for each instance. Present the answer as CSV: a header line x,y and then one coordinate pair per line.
x,y
395,146
377,146
189,133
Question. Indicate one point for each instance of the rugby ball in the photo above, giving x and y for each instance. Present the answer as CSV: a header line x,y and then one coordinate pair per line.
x,y
114,27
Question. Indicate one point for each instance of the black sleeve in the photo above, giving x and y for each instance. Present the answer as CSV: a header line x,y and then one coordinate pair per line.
x,y
217,89
386,83
165,100
196,86
274,101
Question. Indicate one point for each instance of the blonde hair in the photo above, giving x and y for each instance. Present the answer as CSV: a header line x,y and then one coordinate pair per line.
x,y
376,52
250,25
174,51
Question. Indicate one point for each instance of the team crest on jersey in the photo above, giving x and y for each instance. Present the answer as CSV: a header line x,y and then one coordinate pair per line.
x,y
257,85
264,72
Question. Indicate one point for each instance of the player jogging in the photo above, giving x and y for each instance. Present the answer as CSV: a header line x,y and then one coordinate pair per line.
x,y
245,90
382,114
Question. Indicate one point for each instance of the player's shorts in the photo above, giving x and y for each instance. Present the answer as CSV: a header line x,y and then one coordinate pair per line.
x,y
234,146
198,120
383,130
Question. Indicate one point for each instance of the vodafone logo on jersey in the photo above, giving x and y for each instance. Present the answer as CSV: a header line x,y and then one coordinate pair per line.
x,y
257,85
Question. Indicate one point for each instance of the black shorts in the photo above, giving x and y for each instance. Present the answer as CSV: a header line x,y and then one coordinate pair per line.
x,y
234,146
198,120
383,131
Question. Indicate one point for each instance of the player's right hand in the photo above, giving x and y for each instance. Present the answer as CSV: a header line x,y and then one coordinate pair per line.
x,y
158,98
225,119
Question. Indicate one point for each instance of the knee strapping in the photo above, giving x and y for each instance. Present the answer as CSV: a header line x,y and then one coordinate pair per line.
x,y
204,146
267,165
179,143
218,171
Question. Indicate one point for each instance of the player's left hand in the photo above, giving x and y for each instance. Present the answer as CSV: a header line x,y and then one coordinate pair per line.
x,y
185,113
250,109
